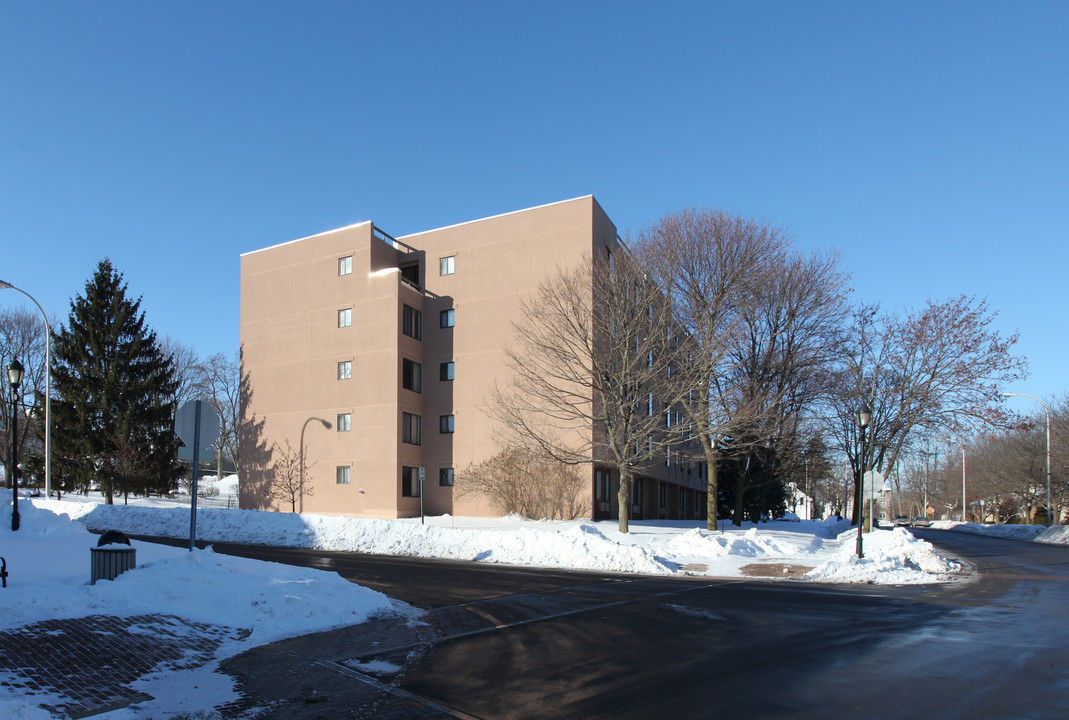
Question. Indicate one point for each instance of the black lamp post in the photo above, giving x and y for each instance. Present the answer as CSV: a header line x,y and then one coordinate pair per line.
x,y
14,378
864,415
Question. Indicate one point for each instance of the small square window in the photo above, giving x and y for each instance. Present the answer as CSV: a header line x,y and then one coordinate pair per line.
x,y
446,423
345,317
411,428
446,370
345,370
345,422
343,474
410,482
448,265
412,375
412,323
345,265
448,318
445,477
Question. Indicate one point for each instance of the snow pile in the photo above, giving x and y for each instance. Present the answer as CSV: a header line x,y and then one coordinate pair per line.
x,y
652,547
48,562
891,557
1055,535
751,544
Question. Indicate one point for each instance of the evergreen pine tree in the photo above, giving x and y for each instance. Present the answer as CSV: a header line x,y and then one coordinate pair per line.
x,y
113,408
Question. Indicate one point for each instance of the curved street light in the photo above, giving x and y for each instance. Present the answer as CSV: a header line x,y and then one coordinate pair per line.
x,y
300,454
1050,508
48,386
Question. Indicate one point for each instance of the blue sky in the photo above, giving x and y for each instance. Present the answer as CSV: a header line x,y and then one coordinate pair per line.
x,y
928,142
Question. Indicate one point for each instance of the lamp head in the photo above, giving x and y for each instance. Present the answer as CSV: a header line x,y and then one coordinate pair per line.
x,y
14,374
864,415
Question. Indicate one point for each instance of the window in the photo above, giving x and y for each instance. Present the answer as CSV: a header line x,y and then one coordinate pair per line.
x,y
345,422
682,501
445,477
602,485
412,375
448,318
446,370
409,482
345,370
649,406
343,474
448,265
446,423
345,265
410,428
413,323
663,497
345,317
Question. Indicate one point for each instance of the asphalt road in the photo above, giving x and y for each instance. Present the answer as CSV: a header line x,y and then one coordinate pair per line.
x,y
580,645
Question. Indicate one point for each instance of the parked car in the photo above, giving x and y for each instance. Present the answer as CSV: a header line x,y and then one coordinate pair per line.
x,y
921,522
901,521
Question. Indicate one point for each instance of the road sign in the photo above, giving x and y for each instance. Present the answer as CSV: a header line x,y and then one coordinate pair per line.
x,y
197,424
185,423
872,485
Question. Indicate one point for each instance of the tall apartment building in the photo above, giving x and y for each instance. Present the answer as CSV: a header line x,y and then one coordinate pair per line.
x,y
372,357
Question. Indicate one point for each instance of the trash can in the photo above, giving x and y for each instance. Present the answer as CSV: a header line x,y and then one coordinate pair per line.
x,y
109,559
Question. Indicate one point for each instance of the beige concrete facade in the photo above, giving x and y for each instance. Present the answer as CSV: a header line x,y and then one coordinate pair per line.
x,y
351,296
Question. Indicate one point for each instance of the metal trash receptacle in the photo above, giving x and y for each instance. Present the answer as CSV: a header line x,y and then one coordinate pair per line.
x,y
109,559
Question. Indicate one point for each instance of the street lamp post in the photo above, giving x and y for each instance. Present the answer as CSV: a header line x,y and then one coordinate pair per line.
x,y
300,455
1050,508
48,386
864,415
14,378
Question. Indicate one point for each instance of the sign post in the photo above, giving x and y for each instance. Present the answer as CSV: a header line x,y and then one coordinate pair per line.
x,y
422,477
195,422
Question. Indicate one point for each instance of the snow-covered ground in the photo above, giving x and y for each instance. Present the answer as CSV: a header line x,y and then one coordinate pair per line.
x,y
1056,535
48,562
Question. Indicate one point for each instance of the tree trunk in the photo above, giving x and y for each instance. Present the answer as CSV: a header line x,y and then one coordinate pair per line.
x,y
712,479
623,497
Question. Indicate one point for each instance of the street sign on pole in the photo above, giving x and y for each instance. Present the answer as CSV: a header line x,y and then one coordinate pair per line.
x,y
872,485
422,477
194,423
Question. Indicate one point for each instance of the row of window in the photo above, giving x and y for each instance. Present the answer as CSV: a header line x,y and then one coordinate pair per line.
x,y
412,321
411,373
412,427
446,265
409,479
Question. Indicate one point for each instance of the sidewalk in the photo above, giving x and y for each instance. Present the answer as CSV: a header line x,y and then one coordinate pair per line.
x,y
81,667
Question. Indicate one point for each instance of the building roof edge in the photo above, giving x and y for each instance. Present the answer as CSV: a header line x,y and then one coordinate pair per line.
x,y
499,215
307,237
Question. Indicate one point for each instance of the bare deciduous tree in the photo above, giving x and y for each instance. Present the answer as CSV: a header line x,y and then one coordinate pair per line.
x,y
186,365
757,320
219,380
534,486
287,482
22,337
938,370
780,360
592,355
